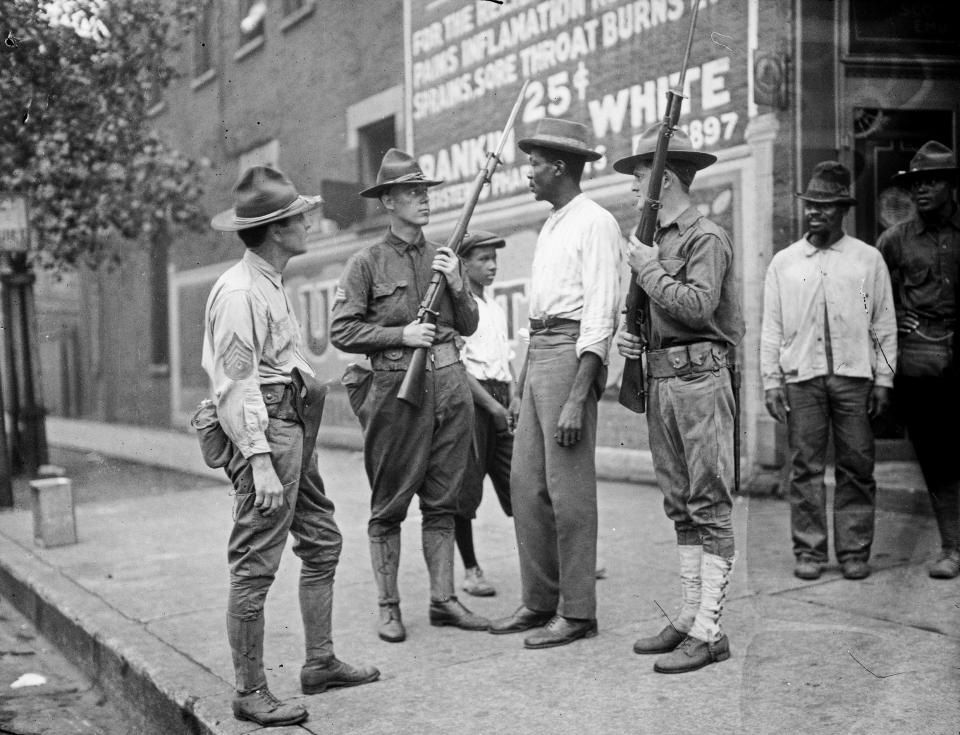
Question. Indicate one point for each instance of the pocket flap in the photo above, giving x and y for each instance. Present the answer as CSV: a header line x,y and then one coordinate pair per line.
x,y
385,289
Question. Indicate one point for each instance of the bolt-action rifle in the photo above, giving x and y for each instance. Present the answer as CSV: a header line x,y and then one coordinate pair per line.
x,y
411,389
633,393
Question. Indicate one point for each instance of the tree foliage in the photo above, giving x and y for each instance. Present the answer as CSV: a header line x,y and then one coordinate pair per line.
x,y
78,78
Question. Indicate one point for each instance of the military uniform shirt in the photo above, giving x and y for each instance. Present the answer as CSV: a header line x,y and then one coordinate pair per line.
x,y
380,292
251,338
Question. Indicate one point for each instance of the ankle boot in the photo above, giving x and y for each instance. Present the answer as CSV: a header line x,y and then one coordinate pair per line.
x,y
318,675
246,648
385,558
676,630
445,609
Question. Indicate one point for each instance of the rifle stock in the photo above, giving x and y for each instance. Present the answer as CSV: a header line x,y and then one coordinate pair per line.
x,y
633,391
411,389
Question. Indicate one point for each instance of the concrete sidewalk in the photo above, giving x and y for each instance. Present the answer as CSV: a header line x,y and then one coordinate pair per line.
x,y
139,604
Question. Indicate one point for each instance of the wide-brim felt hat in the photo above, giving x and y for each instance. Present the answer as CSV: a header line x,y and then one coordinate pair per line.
x,y
933,159
397,167
829,184
479,239
560,135
263,195
680,149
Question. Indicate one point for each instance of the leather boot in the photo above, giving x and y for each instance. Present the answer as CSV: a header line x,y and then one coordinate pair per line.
x,y
316,610
445,608
385,558
318,675
266,710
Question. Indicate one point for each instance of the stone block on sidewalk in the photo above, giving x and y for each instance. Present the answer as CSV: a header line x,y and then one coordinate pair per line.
x,y
54,519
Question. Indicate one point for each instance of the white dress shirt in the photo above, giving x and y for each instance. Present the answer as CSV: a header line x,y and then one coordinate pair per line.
x,y
850,281
576,272
251,338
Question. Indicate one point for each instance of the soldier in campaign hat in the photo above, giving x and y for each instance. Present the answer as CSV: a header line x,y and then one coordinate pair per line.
x,y
574,298
827,357
923,255
408,450
695,324
269,405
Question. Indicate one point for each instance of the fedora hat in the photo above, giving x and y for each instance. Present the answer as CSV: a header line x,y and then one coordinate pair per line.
x,y
829,184
933,159
262,195
479,239
560,135
680,149
397,167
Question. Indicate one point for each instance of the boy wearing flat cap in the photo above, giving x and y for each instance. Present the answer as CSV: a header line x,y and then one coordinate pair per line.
x,y
695,324
269,406
827,356
574,298
410,450
923,255
486,356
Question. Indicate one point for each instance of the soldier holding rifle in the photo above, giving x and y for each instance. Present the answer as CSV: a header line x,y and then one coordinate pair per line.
x,y
694,324
574,296
410,450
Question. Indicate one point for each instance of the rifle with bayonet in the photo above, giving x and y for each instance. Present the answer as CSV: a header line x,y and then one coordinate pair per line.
x,y
411,389
633,393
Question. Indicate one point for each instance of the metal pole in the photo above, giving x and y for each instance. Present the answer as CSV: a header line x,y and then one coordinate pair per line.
x,y
13,384
6,474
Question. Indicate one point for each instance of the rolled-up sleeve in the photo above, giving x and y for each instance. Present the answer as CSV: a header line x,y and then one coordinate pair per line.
x,y
602,259
236,347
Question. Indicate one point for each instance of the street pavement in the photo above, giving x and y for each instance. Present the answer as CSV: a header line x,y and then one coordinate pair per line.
x,y
139,604
41,693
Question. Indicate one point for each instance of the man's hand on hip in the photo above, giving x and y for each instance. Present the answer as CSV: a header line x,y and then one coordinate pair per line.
x,y
268,488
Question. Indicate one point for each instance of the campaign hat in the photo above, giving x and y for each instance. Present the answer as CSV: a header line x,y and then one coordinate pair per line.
x,y
263,195
680,149
479,239
397,167
933,159
829,184
561,135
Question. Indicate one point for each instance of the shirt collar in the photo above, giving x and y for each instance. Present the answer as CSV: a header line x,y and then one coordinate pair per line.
x,y
684,220
401,245
811,249
260,265
918,226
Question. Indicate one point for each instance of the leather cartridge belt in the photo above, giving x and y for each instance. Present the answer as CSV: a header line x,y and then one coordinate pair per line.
x,y
276,393
697,357
439,356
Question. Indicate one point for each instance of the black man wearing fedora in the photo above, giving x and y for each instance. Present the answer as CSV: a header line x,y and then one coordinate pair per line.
x,y
923,255
260,379
410,450
828,349
574,299
695,324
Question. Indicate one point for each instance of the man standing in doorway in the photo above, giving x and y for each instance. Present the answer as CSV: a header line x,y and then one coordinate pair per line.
x,y
827,356
574,298
410,450
695,325
267,402
923,255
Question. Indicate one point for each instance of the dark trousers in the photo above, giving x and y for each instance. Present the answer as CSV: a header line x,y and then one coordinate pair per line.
x,y
257,541
930,409
417,451
491,456
815,406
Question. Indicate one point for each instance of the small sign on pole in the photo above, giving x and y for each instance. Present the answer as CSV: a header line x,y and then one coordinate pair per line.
x,y
14,230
